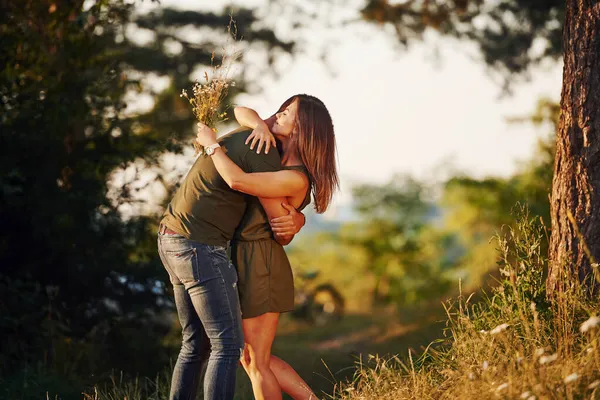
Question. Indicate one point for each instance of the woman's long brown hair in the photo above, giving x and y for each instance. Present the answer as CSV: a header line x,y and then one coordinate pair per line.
x,y
315,143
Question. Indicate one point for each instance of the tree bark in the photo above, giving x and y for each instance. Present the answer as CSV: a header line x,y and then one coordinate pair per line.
x,y
575,205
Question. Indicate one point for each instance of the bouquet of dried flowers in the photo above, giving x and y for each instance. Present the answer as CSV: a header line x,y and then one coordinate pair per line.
x,y
207,97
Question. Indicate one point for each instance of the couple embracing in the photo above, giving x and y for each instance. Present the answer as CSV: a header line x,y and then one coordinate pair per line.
x,y
229,309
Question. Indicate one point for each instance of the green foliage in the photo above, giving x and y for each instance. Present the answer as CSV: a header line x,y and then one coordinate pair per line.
x,y
82,289
512,35
121,388
394,215
405,249
63,134
388,255
476,209
171,54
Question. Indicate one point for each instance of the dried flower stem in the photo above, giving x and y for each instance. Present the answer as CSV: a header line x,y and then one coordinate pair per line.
x,y
208,97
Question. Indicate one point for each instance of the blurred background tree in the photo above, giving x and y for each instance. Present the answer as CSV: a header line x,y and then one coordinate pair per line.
x,y
79,281
513,36
477,209
412,242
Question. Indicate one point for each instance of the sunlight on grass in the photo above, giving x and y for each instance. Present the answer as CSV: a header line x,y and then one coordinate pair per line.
x,y
512,344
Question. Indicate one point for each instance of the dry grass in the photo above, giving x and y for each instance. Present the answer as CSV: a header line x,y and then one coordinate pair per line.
x,y
512,344
208,97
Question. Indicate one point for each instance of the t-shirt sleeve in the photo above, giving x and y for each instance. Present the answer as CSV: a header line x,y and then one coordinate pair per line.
x,y
262,162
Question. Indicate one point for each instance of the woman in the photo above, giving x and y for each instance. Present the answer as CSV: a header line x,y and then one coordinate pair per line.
x,y
306,142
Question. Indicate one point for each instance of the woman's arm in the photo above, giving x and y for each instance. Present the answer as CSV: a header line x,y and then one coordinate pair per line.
x,y
261,130
260,184
248,117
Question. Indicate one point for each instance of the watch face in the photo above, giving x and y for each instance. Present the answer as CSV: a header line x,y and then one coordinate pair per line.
x,y
209,150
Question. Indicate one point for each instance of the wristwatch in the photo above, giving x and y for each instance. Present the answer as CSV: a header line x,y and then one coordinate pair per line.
x,y
210,150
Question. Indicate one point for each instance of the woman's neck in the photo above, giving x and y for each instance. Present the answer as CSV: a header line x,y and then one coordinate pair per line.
x,y
289,152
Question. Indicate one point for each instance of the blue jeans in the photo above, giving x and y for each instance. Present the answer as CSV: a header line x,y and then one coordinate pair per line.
x,y
205,287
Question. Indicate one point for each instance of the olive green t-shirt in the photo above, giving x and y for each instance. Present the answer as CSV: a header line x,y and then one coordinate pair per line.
x,y
205,209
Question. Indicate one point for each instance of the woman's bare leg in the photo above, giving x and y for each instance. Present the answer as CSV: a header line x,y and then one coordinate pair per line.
x,y
269,374
289,380
259,333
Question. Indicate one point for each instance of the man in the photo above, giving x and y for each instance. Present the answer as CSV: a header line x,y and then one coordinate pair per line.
x,y
192,241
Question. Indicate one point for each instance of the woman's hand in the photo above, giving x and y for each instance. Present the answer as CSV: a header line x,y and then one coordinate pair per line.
x,y
288,225
263,136
206,136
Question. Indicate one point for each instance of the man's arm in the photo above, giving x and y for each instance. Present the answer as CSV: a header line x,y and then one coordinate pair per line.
x,y
274,209
288,225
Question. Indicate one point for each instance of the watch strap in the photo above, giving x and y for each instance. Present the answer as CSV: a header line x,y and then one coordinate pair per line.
x,y
211,149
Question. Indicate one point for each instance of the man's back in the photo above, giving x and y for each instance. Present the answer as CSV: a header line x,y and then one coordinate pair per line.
x,y
205,209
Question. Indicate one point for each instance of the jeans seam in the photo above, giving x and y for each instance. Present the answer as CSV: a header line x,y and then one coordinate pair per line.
x,y
196,265
233,320
228,304
224,285
162,255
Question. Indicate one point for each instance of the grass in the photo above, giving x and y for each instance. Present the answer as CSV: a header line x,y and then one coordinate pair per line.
x,y
323,356
512,344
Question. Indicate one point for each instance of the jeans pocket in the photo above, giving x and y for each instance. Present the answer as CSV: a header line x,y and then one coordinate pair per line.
x,y
184,264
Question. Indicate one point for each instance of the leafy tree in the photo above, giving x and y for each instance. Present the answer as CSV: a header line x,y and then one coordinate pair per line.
x,y
77,281
172,54
391,235
477,209
512,35
70,264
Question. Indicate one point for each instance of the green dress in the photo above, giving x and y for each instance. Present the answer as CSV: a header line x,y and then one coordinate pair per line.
x,y
265,279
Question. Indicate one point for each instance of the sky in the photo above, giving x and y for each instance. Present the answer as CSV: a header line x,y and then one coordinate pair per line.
x,y
403,111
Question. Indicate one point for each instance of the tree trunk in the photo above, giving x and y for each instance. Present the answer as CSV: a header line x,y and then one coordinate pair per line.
x,y
575,205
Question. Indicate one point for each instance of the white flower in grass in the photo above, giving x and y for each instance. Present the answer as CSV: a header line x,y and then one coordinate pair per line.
x,y
501,387
590,324
539,352
498,329
594,384
485,365
571,378
483,332
471,376
589,350
519,359
548,359
525,395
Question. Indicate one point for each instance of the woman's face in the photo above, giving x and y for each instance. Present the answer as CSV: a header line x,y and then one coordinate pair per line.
x,y
286,120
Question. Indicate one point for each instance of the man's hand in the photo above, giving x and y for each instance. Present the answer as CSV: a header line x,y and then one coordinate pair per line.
x,y
263,136
206,136
288,225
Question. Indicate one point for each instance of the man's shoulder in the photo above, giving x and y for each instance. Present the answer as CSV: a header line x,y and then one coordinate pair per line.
x,y
235,143
237,137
